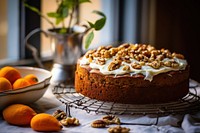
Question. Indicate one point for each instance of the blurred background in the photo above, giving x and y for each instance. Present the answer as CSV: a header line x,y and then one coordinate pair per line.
x,y
170,24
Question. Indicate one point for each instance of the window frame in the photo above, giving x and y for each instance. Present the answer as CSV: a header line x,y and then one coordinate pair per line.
x,y
26,26
18,27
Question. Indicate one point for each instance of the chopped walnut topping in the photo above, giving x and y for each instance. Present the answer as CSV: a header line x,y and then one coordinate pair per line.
x,y
131,55
144,54
118,129
136,65
119,53
90,58
98,124
150,48
126,68
107,54
142,63
114,65
151,59
166,53
113,51
97,54
138,57
180,56
167,63
127,59
90,52
172,64
155,52
125,45
100,48
108,47
101,61
175,65
118,58
160,57
135,47
155,64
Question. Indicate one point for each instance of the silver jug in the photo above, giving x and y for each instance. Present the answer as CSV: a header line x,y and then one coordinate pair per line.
x,y
67,49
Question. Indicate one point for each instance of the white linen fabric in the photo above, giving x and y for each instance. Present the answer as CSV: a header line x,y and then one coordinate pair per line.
x,y
189,123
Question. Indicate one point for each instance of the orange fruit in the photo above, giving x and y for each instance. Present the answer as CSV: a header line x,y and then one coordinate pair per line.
x,y
20,83
45,123
5,84
18,114
10,73
31,78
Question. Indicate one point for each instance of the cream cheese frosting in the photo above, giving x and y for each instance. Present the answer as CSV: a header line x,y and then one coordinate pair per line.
x,y
148,71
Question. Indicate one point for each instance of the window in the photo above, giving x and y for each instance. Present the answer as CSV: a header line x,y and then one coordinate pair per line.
x,y
9,33
15,25
18,21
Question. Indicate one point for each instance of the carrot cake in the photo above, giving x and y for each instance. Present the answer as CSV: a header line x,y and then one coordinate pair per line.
x,y
132,74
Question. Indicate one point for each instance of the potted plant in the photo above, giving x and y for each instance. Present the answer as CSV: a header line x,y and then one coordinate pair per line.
x,y
66,9
67,39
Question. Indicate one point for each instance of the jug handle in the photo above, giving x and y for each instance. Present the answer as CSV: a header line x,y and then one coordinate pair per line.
x,y
32,48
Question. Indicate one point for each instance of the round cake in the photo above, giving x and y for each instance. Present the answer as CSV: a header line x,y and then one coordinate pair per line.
x,y
132,74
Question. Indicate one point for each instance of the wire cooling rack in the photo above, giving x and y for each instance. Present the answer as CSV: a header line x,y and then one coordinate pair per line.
x,y
188,104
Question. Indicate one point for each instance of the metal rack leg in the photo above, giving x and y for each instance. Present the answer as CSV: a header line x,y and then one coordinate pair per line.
x,y
68,110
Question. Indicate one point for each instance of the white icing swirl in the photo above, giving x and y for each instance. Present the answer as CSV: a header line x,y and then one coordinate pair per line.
x,y
146,70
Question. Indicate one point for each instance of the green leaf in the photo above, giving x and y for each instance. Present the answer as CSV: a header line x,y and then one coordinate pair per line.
x,y
99,13
89,39
52,15
69,3
62,30
59,20
84,1
64,12
99,24
91,24
34,9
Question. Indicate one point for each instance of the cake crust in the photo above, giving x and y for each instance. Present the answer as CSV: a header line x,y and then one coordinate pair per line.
x,y
128,89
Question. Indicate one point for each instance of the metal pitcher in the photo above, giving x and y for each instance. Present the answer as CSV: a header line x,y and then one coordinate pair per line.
x,y
67,48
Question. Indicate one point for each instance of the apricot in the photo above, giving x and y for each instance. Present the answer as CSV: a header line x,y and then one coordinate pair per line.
x,y
10,73
18,114
31,78
20,83
5,84
45,123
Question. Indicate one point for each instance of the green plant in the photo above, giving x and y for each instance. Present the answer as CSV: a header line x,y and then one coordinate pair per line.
x,y
66,9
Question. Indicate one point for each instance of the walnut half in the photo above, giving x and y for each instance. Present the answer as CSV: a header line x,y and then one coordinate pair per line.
x,y
118,129
70,121
111,119
98,124
59,114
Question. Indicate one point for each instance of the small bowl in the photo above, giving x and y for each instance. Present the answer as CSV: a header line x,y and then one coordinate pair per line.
x,y
27,94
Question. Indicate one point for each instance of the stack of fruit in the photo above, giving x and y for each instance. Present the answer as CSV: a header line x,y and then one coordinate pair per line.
x,y
20,114
11,79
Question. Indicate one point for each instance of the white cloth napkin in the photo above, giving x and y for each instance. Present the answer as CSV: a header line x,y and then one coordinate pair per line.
x,y
191,123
